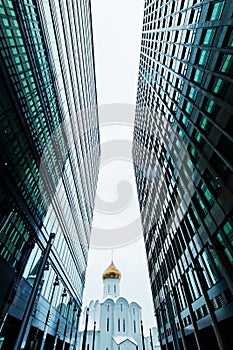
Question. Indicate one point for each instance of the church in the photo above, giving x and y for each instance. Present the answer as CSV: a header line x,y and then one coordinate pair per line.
x,y
113,323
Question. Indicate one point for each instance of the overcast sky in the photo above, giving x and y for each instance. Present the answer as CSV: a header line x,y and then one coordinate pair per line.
x,y
117,28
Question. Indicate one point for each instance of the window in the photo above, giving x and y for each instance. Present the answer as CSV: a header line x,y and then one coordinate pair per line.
x,y
226,63
208,36
107,325
229,37
114,288
213,181
119,325
188,107
227,250
202,57
198,137
123,325
204,123
215,11
210,266
198,75
209,106
207,194
228,229
184,120
134,326
217,85
192,93
193,153
201,204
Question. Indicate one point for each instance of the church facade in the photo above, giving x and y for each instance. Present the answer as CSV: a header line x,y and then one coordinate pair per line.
x,y
113,323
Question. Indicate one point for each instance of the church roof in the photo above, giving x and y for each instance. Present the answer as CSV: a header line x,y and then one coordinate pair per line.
x,y
112,272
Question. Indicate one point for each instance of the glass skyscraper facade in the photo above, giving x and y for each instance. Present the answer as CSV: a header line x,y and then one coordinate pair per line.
x,y
49,165
182,153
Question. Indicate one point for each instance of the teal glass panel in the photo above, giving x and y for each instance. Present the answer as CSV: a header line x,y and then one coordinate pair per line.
x,y
207,194
210,106
226,250
198,76
189,107
217,85
217,11
204,55
209,36
192,93
228,229
226,63
204,123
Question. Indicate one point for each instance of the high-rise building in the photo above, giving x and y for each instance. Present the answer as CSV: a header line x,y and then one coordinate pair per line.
x,y
182,153
49,167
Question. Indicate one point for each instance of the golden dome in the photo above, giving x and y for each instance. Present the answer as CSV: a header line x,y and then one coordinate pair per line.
x,y
112,272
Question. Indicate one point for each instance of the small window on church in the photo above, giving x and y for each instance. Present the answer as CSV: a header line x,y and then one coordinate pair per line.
x,y
134,326
133,311
119,325
108,307
114,288
123,325
121,307
107,325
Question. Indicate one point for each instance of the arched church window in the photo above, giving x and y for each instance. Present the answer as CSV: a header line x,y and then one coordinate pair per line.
x,y
134,326
107,325
123,325
114,288
119,325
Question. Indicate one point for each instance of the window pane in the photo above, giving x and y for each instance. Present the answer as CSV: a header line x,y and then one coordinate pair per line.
x,y
198,76
226,63
217,85
208,36
203,57
216,10
210,106
204,123
228,229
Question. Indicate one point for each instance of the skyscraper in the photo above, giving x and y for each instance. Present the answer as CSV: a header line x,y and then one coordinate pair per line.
x,y
49,167
182,155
